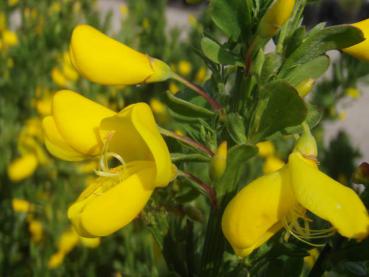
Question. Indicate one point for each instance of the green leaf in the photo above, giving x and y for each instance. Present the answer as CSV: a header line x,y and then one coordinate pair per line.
x,y
310,70
186,108
176,157
236,128
284,108
230,16
313,117
271,66
217,54
320,41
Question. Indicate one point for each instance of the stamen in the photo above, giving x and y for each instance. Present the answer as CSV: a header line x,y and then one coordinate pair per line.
x,y
301,230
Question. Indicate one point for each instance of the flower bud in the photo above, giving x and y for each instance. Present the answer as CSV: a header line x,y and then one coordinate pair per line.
x,y
106,61
306,145
276,15
219,162
360,50
305,87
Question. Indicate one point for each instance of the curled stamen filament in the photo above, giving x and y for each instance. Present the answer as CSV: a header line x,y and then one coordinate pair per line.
x,y
104,170
304,233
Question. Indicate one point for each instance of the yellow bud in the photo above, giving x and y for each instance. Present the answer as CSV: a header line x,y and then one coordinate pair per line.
x,y
276,15
22,167
160,111
56,260
106,61
201,75
21,206
36,230
266,148
173,88
219,162
43,106
305,87
360,50
184,68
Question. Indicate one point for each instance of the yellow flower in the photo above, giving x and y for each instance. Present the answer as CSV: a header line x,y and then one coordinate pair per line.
x,y
67,241
201,75
274,18
22,206
36,230
266,148
67,68
43,106
13,2
160,111
104,60
58,77
281,199
9,38
184,67
23,167
271,164
131,137
56,260
360,50
173,88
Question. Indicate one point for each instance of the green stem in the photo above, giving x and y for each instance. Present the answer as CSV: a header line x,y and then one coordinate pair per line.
x,y
187,141
202,186
213,103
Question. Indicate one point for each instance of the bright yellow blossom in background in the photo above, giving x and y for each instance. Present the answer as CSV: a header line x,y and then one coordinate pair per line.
x,y
22,167
22,206
280,199
36,230
106,61
184,67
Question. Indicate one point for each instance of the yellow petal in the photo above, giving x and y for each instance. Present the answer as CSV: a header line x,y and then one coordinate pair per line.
x,y
271,164
327,198
56,144
360,50
22,167
104,60
77,118
101,213
136,137
254,214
